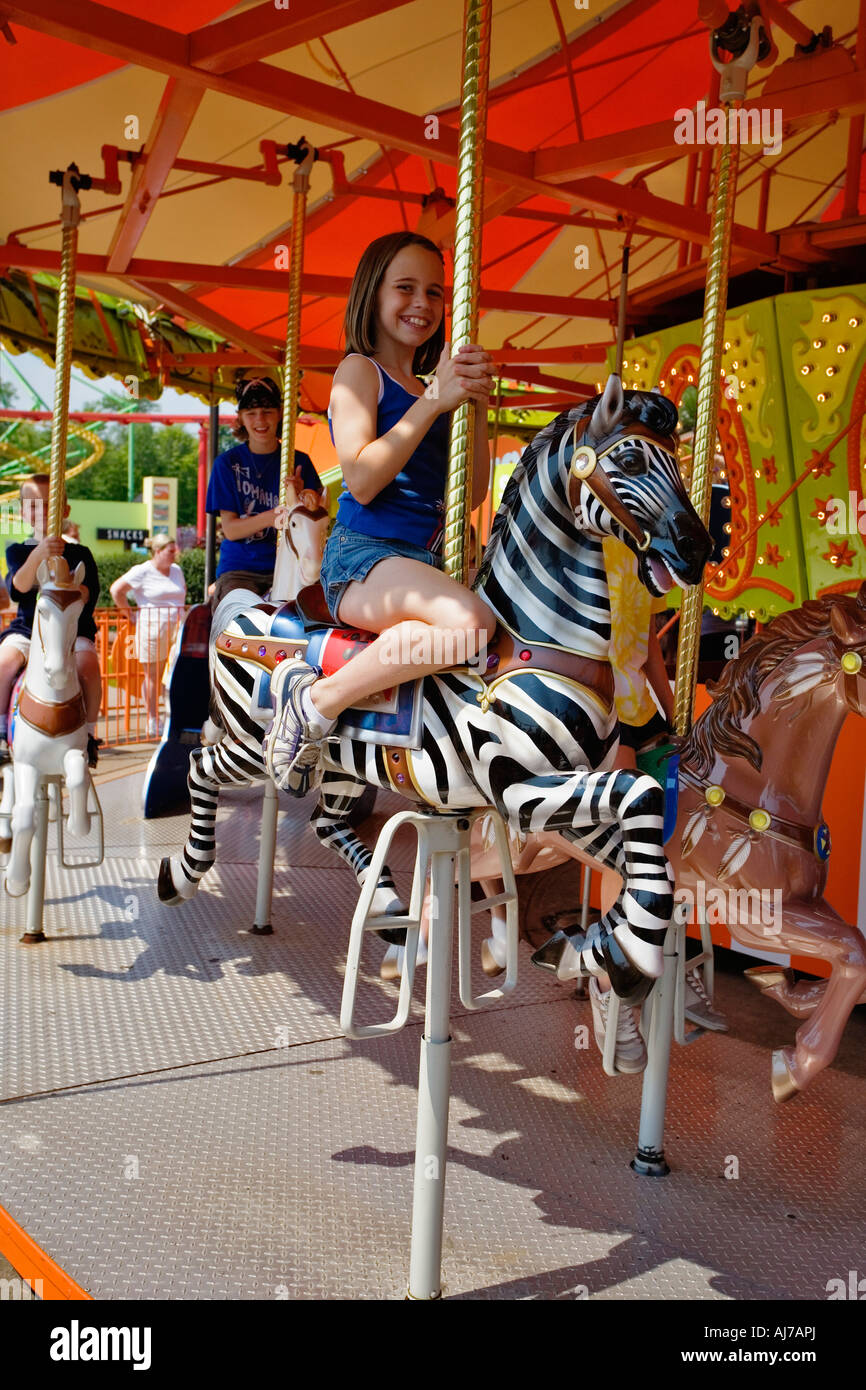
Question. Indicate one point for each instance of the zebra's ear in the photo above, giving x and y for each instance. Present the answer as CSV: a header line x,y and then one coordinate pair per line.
x,y
608,412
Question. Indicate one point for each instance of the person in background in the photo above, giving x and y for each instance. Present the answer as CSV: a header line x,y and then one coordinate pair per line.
x,y
244,490
159,589
23,559
639,674
72,532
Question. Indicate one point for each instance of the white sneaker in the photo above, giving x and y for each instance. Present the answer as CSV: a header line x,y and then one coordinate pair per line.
x,y
698,1005
630,1054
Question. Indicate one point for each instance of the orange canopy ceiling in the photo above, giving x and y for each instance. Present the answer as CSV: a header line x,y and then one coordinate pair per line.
x,y
581,150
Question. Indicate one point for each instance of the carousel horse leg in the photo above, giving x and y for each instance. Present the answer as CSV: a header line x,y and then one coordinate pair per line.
x,y
493,949
34,932
337,795
77,782
813,928
616,818
209,769
6,804
23,823
800,998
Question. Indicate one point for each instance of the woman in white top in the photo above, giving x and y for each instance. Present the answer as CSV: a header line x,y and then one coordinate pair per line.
x,y
159,590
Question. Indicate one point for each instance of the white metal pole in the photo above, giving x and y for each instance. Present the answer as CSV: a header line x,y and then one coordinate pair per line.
x,y
650,1157
267,849
425,1274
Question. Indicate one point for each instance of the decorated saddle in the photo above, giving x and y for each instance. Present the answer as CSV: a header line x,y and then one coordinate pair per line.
x,y
303,628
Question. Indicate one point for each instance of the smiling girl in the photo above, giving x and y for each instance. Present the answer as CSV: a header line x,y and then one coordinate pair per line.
x,y
380,569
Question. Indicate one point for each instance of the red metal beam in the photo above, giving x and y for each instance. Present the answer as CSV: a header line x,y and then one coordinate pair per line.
x,y
257,33
803,105
312,359
159,273
180,101
113,417
671,219
181,303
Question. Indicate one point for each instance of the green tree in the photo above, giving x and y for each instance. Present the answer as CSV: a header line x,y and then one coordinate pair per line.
x,y
163,451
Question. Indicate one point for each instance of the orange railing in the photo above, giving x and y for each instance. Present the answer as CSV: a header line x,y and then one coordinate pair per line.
x,y
127,661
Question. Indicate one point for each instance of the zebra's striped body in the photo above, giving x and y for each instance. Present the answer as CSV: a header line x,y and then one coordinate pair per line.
x,y
542,750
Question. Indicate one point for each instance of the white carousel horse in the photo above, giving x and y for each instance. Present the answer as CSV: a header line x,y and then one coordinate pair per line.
x,y
50,736
302,537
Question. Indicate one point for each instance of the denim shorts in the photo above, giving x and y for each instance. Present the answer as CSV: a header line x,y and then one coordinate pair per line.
x,y
350,555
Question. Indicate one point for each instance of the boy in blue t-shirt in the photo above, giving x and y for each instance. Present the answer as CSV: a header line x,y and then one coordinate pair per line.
x,y
245,490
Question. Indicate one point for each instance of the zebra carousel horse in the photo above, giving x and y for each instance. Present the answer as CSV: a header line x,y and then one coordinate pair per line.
x,y
533,734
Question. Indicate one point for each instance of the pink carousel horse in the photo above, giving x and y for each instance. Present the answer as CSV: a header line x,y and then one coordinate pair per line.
x,y
749,828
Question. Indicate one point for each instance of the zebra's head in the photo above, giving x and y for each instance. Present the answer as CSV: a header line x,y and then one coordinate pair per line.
x,y
624,481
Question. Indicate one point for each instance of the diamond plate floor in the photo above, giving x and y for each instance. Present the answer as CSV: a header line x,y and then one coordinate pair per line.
x,y
182,1118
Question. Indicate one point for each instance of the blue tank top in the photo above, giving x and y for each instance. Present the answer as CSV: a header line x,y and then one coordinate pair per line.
x,y
410,508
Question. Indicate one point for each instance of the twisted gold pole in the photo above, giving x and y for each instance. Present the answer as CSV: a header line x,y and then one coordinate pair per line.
x,y
467,260
291,369
709,390
70,214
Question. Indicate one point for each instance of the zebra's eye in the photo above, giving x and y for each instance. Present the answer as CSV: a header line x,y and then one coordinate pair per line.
x,y
632,463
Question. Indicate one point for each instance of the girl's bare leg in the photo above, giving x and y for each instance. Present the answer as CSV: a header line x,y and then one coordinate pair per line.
x,y
394,592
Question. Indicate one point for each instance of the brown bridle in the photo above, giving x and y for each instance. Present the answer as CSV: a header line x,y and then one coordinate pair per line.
x,y
584,469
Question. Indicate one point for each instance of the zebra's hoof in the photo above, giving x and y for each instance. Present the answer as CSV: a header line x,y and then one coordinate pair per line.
x,y
625,979
784,1085
166,891
553,954
32,938
255,930
765,977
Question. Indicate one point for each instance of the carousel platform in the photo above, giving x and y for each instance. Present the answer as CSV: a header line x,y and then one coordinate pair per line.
x,y
182,1119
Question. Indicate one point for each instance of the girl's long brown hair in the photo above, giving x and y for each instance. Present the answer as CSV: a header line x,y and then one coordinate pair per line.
x,y
359,324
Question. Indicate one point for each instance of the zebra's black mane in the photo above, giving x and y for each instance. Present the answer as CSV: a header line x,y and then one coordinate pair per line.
x,y
648,408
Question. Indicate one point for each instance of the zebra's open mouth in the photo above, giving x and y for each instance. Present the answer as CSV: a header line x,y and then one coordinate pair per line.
x,y
662,577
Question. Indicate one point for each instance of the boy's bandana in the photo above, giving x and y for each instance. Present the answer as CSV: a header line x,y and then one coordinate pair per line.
x,y
258,393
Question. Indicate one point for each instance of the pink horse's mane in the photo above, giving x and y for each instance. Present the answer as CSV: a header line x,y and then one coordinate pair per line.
x,y
737,692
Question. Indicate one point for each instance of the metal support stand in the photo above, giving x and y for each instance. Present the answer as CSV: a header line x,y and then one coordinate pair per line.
x,y
443,851
267,848
649,1160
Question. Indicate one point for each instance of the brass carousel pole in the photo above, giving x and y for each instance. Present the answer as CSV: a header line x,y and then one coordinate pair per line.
x,y
447,837
467,265
650,1160
70,217
305,155
734,76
